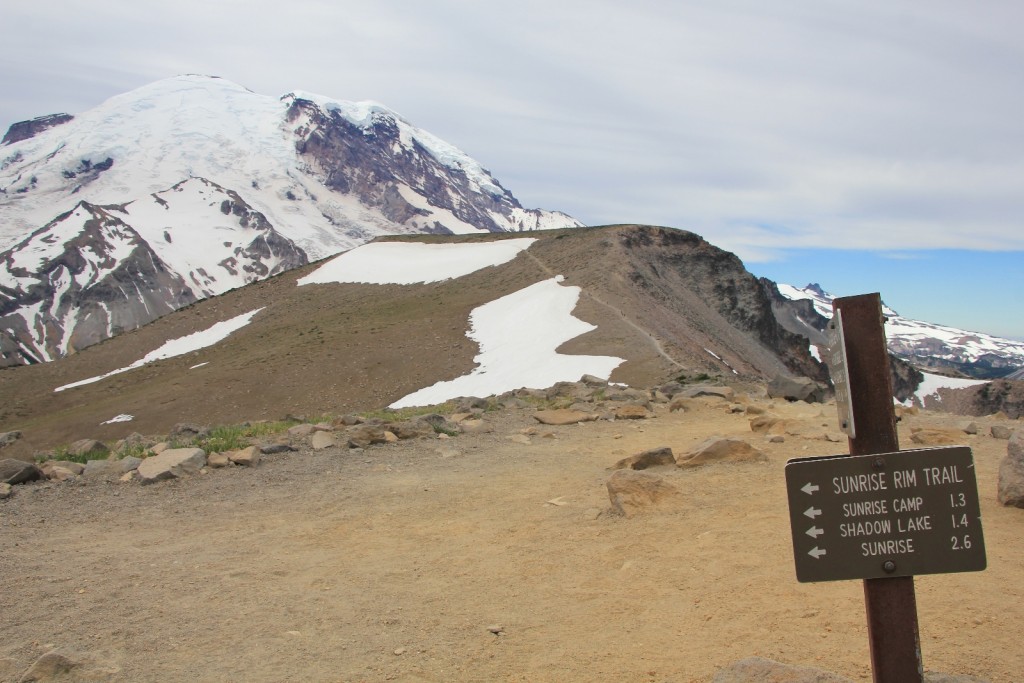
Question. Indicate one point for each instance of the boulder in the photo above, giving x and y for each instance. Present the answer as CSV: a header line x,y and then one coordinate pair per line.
x,y
562,416
1011,473
725,393
322,440
796,389
631,492
250,457
761,670
171,464
415,429
364,435
716,450
18,471
631,412
217,460
52,666
1001,432
87,446
650,458
301,431
937,436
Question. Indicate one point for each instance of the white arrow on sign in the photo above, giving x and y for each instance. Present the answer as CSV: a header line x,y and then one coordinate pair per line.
x,y
812,512
814,532
809,488
817,552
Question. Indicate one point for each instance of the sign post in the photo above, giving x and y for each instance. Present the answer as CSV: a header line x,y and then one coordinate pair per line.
x,y
880,514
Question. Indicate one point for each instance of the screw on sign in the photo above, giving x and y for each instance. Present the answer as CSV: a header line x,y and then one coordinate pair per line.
x,y
881,514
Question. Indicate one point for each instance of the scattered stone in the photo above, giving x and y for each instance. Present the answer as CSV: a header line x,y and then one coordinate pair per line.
x,y
99,469
5,490
133,440
715,450
249,457
761,670
834,438
562,416
18,471
630,492
707,390
650,458
936,436
776,438
415,429
7,438
519,438
301,431
680,404
52,666
364,435
171,464
399,651
796,389
1011,473
389,437
58,473
217,460
349,420
322,440
971,428
753,409
1001,432
475,427
771,424
496,629
87,446
129,463
440,424
158,448
275,448
631,412
185,431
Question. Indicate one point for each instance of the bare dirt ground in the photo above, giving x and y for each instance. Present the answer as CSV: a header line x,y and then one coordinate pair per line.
x,y
394,564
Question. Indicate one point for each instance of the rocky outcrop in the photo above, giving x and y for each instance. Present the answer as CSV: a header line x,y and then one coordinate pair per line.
x,y
632,492
1011,473
719,450
24,130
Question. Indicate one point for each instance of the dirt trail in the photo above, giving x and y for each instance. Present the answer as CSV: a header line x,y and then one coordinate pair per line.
x,y
392,564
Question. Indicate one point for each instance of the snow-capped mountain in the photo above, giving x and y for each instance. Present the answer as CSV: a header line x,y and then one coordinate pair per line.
x,y
193,185
926,344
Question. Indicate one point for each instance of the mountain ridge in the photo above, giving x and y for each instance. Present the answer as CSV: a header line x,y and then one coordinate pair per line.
x,y
258,184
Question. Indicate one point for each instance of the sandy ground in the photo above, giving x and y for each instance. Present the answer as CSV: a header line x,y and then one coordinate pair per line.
x,y
394,563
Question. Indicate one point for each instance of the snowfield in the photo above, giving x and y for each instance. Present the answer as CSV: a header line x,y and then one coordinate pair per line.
x,y
518,335
406,263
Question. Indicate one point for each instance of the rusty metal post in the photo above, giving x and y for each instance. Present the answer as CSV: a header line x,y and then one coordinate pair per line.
x,y
891,604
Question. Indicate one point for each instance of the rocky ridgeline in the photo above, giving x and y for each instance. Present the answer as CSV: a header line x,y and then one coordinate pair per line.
x,y
147,460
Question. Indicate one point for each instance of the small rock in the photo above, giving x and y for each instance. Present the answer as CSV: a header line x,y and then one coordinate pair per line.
x,y
301,431
971,428
716,450
649,458
399,651
389,437
519,438
86,446
275,448
937,436
562,416
52,666
18,471
5,490
776,438
322,440
171,464
1001,432
631,412
217,460
496,629
630,492
247,457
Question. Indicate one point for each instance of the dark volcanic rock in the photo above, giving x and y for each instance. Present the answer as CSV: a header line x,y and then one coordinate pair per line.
x,y
23,130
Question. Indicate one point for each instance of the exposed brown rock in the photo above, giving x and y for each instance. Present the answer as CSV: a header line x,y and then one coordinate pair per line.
x,y
716,450
630,492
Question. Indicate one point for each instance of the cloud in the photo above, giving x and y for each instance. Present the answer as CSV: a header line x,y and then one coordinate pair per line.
x,y
874,125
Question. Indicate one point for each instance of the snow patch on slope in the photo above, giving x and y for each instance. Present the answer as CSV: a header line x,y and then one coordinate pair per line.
x,y
406,263
178,346
518,335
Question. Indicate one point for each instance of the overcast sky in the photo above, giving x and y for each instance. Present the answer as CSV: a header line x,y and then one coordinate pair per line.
x,y
843,142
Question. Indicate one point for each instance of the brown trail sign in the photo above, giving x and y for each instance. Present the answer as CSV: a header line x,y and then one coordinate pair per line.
x,y
880,514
